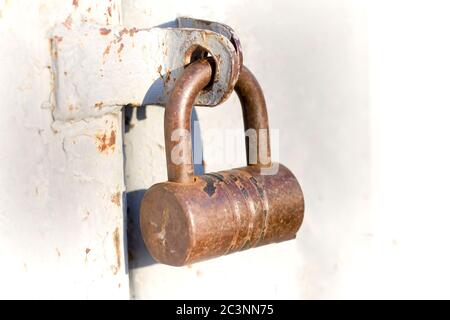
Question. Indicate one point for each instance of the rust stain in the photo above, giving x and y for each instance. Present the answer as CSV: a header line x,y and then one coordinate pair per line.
x,y
118,39
106,141
133,31
68,22
116,240
109,11
104,31
106,52
99,105
89,9
115,198
120,48
71,107
75,3
122,32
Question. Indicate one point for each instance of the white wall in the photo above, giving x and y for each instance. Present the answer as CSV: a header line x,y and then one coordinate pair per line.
x,y
406,254
359,93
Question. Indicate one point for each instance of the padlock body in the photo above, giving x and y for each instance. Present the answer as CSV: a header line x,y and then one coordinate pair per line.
x,y
220,213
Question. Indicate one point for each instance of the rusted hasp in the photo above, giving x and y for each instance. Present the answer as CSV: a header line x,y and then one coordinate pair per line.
x,y
220,28
99,69
228,62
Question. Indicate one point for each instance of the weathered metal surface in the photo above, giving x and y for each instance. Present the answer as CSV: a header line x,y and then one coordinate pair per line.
x,y
255,116
179,109
192,218
99,69
178,117
220,213
220,28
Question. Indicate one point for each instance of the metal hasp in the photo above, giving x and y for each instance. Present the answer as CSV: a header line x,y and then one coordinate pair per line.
x,y
227,61
191,218
130,66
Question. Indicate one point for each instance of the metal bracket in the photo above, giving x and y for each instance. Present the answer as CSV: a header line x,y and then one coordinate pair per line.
x,y
228,61
99,69
220,28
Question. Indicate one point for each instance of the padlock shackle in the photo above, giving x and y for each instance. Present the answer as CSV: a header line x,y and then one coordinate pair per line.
x,y
177,117
255,116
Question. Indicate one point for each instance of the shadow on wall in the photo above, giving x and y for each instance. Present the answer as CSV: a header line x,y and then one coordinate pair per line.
x,y
138,256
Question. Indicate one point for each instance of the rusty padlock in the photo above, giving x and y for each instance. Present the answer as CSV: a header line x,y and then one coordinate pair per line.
x,y
191,218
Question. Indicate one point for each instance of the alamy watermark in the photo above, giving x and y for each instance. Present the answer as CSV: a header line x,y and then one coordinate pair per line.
x,y
227,147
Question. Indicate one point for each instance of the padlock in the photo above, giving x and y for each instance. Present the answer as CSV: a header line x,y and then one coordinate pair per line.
x,y
191,218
